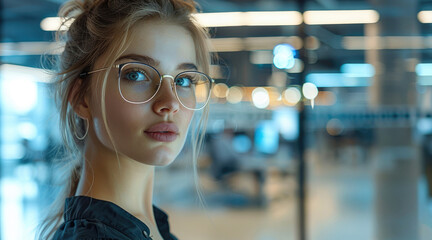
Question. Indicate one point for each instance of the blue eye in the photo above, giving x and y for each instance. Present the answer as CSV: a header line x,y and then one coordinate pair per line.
x,y
136,76
183,82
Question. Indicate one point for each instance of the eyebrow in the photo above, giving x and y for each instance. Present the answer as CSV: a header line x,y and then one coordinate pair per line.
x,y
187,66
150,61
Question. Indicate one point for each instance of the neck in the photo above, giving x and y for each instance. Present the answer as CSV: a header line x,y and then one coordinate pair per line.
x,y
120,180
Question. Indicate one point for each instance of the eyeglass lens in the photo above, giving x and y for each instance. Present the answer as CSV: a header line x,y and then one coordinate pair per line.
x,y
139,82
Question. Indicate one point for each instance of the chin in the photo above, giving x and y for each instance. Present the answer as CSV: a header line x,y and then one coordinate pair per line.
x,y
163,163
163,157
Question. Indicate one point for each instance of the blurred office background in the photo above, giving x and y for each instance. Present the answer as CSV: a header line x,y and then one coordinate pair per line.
x,y
320,125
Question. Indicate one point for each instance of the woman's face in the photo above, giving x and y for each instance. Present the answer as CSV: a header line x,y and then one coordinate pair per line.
x,y
153,132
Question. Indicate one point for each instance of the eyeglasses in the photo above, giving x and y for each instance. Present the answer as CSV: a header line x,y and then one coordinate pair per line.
x,y
139,83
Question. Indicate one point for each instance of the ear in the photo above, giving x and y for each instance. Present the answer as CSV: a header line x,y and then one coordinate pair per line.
x,y
79,100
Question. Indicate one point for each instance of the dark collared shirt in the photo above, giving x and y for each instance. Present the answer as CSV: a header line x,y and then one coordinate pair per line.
x,y
89,218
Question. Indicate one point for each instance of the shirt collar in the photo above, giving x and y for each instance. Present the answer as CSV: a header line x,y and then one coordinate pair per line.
x,y
83,207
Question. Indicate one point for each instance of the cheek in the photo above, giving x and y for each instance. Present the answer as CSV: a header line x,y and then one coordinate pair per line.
x,y
187,116
122,119
185,125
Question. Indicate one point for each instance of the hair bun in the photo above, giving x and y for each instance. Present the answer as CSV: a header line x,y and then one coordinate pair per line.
x,y
74,8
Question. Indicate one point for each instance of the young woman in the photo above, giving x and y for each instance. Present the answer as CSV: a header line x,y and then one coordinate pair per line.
x,y
131,76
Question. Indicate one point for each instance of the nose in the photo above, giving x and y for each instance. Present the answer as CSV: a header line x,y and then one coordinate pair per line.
x,y
165,101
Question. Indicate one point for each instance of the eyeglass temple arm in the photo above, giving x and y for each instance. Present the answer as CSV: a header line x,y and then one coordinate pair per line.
x,y
85,74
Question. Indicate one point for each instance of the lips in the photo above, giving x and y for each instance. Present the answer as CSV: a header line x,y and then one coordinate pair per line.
x,y
163,132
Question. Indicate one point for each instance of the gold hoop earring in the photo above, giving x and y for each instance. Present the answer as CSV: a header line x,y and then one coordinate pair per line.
x,y
86,131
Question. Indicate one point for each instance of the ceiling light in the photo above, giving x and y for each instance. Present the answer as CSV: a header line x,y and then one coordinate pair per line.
x,y
424,69
284,56
292,95
341,17
234,95
273,18
263,18
253,43
22,72
260,97
425,16
358,69
337,80
55,24
310,90
220,90
30,48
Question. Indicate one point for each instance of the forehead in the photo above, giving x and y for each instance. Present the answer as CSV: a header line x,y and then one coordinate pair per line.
x,y
169,44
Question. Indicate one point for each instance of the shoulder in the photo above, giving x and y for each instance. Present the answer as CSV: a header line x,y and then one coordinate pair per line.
x,y
87,229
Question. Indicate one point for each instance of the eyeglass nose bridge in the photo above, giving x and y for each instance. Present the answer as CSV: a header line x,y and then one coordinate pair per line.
x,y
171,83
172,88
168,76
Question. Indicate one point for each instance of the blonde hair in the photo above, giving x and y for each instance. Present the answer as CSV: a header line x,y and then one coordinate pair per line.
x,y
102,27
